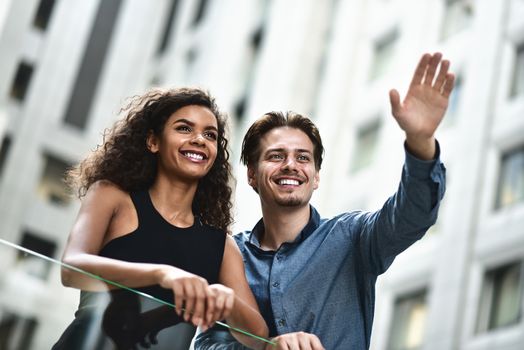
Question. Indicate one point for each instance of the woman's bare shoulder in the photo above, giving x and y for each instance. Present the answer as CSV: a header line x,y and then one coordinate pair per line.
x,y
106,191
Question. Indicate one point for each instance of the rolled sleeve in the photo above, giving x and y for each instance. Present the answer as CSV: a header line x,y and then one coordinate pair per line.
x,y
217,339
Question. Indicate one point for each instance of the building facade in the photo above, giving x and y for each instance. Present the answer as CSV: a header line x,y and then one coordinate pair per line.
x,y
66,67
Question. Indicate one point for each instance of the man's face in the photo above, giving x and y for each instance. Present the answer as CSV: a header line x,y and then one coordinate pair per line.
x,y
285,173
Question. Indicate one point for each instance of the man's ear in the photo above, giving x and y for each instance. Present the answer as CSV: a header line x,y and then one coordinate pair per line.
x,y
152,142
316,180
251,178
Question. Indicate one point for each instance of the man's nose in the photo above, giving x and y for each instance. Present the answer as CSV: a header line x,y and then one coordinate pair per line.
x,y
290,163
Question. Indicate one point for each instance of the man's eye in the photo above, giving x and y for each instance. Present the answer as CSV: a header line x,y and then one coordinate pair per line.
x,y
303,158
276,156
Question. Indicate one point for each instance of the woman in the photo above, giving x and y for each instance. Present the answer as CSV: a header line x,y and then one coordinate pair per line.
x,y
154,216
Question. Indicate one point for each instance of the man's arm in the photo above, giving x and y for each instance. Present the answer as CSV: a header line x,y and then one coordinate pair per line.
x,y
407,215
220,339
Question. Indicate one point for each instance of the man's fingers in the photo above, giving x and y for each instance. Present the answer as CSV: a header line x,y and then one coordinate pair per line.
x,y
298,341
315,343
394,99
420,70
284,344
308,341
448,85
432,68
441,77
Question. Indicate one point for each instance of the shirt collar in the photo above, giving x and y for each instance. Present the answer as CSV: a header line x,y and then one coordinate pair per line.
x,y
313,223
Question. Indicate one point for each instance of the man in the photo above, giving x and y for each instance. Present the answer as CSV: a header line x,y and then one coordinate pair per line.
x,y
316,275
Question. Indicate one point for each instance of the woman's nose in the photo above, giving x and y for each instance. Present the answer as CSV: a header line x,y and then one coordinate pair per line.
x,y
198,139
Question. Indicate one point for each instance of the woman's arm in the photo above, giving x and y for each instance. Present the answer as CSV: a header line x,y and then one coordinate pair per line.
x,y
102,215
99,213
245,314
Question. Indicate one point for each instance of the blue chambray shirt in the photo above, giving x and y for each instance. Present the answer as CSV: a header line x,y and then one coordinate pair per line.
x,y
324,281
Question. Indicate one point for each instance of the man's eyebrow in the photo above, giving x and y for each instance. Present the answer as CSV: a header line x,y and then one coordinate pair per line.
x,y
301,150
269,150
280,149
190,123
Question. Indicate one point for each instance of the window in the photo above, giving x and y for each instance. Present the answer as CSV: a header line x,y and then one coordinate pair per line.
x,y
31,264
43,14
191,55
21,81
383,52
517,86
52,187
168,27
200,12
4,151
511,181
16,332
457,16
501,297
367,140
240,108
408,322
256,39
83,92
255,43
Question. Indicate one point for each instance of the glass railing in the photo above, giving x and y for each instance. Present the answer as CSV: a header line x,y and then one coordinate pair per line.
x,y
38,312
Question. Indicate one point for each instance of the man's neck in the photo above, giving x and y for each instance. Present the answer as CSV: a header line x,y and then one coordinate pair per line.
x,y
282,224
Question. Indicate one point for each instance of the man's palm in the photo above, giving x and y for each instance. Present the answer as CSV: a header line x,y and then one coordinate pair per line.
x,y
427,98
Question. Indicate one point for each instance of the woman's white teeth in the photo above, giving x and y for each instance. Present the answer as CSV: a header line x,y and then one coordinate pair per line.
x,y
288,182
194,156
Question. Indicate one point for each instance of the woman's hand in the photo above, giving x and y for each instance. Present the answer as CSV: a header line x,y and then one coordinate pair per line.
x,y
220,304
196,301
191,292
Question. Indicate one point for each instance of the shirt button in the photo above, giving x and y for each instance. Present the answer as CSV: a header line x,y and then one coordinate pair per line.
x,y
279,257
281,322
276,284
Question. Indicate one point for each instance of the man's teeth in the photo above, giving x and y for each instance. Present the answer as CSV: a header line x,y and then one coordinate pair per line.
x,y
288,182
194,156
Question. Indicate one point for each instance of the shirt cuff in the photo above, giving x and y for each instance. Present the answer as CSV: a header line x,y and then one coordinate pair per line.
x,y
419,168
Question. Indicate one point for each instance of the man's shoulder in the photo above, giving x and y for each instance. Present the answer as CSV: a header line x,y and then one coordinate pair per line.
x,y
242,237
348,216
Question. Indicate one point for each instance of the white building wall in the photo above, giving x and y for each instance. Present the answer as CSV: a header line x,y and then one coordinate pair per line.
x,y
314,58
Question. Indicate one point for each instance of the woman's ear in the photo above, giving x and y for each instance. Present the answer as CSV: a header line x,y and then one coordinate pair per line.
x,y
152,142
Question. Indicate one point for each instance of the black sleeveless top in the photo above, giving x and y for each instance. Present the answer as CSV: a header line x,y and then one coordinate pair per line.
x,y
122,319
198,249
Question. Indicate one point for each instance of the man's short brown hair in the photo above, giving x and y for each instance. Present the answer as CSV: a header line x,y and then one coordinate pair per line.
x,y
269,121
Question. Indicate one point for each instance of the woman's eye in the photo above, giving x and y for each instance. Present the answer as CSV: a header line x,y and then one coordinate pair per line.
x,y
183,128
211,135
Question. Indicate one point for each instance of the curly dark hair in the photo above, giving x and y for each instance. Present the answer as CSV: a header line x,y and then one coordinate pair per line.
x,y
124,159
